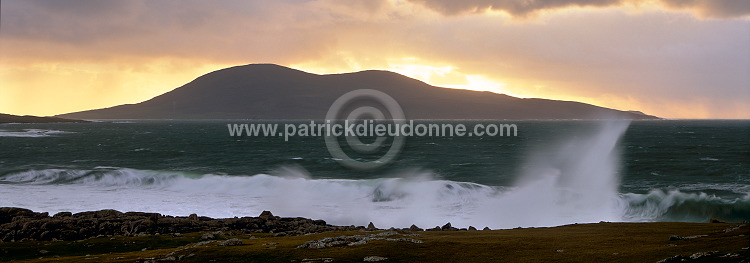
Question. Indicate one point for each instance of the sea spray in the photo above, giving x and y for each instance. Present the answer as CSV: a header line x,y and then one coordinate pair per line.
x,y
571,181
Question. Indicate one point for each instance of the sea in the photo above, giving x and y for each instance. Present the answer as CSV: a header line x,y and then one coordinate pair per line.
x,y
551,173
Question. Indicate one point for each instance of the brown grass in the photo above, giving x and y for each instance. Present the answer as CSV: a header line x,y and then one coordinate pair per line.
x,y
602,242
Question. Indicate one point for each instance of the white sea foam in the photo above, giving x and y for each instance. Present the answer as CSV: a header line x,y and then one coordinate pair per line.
x,y
572,182
399,202
30,133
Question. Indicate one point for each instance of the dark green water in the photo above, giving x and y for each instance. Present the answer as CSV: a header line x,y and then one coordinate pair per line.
x,y
677,170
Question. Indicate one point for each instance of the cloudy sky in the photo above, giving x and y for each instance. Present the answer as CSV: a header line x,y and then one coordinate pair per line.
x,y
670,58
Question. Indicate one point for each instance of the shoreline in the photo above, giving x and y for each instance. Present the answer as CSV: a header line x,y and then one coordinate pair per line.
x,y
113,236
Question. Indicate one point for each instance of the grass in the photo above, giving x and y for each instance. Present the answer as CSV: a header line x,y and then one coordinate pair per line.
x,y
602,242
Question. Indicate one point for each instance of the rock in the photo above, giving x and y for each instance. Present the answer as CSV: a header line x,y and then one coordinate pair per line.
x,y
371,226
471,228
212,235
8,214
415,228
676,258
231,242
716,220
19,224
733,228
675,237
62,214
356,240
486,228
374,259
318,260
208,236
266,215
448,227
702,254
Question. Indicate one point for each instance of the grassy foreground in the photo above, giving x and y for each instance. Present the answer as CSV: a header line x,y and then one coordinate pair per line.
x,y
602,242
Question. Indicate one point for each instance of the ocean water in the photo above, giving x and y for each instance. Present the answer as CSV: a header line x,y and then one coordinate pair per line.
x,y
552,173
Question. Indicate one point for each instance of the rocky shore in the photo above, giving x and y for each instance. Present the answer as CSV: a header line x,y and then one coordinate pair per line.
x,y
113,236
20,224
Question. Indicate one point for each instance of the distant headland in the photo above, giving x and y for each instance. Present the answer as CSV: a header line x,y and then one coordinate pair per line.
x,y
8,118
268,91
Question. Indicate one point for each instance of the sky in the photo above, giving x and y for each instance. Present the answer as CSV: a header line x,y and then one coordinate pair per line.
x,y
669,58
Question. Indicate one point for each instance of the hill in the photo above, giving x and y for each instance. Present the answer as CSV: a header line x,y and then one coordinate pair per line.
x,y
267,91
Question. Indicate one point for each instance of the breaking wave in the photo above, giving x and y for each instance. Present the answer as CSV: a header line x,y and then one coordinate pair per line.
x,y
399,202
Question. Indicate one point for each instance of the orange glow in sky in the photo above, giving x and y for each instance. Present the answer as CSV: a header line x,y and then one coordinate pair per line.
x,y
687,60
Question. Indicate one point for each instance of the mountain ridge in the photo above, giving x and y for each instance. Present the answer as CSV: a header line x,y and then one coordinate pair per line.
x,y
270,91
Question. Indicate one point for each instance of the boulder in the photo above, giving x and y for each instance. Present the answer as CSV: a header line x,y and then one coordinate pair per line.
x,y
448,227
266,215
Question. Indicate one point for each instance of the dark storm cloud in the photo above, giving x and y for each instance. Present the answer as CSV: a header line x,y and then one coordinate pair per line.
x,y
226,30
